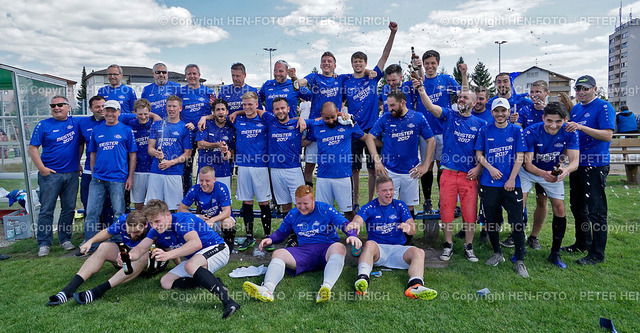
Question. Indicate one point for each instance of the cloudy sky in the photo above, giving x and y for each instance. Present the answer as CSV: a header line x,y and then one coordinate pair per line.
x,y
61,37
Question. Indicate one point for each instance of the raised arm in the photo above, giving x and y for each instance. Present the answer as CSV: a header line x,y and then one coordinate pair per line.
x,y
462,67
393,26
302,82
435,110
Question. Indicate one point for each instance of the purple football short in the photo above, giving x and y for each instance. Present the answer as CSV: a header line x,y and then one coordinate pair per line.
x,y
308,257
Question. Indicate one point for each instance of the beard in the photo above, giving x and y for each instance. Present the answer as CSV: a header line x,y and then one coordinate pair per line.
x,y
395,113
464,108
332,124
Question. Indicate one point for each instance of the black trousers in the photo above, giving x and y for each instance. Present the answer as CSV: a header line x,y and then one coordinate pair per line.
x,y
493,200
589,207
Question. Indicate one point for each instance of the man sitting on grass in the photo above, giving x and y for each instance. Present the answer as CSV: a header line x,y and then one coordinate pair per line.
x,y
316,225
187,236
387,222
214,204
129,229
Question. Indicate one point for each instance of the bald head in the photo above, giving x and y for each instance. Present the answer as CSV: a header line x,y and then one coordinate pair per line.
x,y
329,114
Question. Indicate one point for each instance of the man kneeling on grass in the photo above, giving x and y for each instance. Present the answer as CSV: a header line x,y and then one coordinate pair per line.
x,y
387,222
187,236
315,223
129,229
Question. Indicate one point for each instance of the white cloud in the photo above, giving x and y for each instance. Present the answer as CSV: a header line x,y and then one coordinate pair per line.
x,y
94,34
315,16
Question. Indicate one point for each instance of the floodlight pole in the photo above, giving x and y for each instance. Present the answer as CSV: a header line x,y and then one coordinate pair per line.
x,y
270,49
500,54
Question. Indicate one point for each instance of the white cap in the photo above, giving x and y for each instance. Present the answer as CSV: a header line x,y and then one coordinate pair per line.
x,y
112,104
498,102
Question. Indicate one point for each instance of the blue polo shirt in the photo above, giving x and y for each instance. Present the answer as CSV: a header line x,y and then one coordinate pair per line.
x,y
485,115
60,141
272,89
382,221
112,145
182,224
210,204
141,133
334,148
195,103
157,96
125,95
252,140
285,142
458,140
233,96
400,138
439,89
500,146
324,89
213,157
546,148
597,114
318,227
172,140
362,98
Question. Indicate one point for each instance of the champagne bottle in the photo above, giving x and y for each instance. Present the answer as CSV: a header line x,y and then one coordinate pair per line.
x,y
126,260
556,170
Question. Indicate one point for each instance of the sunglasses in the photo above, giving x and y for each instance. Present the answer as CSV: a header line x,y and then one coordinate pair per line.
x,y
581,88
161,72
58,105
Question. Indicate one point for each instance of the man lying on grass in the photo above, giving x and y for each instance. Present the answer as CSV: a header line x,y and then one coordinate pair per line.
x,y
129,229
191,237
315,223
387,222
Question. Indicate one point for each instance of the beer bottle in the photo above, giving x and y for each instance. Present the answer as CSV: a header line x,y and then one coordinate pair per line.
x,y
126,260
556,170
153,263
295,83
414,56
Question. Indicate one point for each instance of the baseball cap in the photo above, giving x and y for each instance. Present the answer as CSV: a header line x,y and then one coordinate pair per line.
x,y
500,102
586,81
112,104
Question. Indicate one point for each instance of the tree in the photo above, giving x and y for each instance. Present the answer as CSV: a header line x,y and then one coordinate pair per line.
x,y
443,71
601,94
456,72
481,78
82,92
314,70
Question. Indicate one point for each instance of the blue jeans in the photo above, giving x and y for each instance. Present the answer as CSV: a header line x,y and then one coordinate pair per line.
x,y
65,186
97,191
107,213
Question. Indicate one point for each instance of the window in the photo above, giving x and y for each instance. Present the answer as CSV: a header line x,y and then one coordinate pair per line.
x,y
623,55
625,44
623,74
625,35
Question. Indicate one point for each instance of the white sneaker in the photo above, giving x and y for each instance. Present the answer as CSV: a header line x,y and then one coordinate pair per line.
x,y
420,292
260,293
43,251
468,252
446,253
68,246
